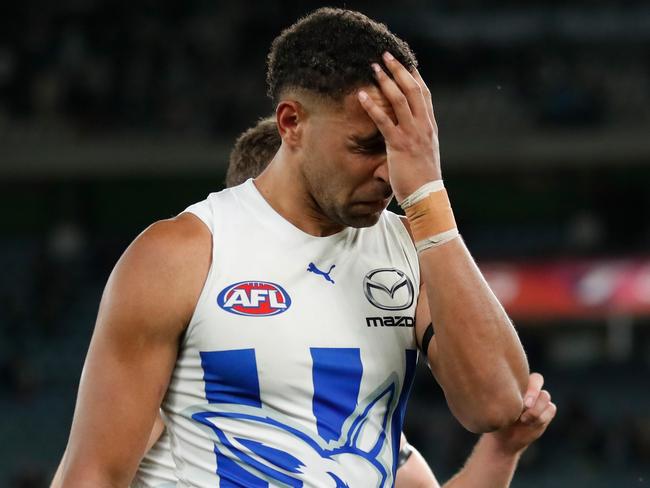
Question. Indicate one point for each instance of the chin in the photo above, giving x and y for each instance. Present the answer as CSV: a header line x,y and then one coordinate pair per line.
x,y
366,220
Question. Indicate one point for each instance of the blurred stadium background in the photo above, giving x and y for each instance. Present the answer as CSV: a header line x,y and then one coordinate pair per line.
x,y
116,114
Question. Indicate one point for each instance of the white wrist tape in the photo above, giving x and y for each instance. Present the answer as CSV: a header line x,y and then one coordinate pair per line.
x,y
430,216
421,193
437,240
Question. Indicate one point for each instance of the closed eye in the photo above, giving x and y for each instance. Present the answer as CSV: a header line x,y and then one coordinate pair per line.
x,y
372,144
372,149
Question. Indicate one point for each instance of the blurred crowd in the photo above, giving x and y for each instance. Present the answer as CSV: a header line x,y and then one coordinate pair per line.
x,y
198,66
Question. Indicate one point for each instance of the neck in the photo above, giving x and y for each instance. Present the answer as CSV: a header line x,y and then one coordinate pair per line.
x,y
285,189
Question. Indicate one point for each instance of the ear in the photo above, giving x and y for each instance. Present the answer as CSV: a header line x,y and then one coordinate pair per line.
x,y
290,117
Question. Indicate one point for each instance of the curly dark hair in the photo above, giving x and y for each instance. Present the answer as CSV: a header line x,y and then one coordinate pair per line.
x,y
329,52
253,151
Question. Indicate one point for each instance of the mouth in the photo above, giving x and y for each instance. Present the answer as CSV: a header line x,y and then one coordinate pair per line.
x,y
376,205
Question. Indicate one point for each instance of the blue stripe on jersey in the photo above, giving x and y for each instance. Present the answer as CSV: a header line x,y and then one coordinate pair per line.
x,y
231,475
398,415
231,377
339,481
336,375
275,456
231,471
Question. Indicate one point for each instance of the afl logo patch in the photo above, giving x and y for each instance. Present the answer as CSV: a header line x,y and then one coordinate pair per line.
x,y
388,289
254,299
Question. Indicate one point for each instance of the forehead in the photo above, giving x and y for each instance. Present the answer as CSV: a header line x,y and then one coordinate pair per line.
x,y
351,117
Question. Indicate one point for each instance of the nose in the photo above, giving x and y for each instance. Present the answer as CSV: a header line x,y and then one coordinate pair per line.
x,y
381,171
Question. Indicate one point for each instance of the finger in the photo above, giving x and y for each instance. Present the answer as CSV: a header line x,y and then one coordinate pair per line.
x,y
535,383
543,399
395,96
383,122
547,415
541,403
428,99
408,86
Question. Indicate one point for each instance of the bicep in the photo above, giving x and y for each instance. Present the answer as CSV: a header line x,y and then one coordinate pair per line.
x,y
422,325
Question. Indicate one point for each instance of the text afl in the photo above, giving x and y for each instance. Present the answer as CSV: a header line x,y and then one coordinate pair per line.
x,y
254,299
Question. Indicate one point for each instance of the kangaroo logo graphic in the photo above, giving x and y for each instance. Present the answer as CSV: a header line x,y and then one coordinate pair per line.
x,y
304,455
351,439
313,269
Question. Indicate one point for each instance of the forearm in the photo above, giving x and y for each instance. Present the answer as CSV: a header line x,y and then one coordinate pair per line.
x,y
487,467
479,360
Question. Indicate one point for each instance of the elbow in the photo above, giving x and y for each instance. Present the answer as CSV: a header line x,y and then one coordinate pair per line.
x,y
493,414
85,477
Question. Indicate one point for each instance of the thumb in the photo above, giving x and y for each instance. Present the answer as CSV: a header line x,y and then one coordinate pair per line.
x,y
535,383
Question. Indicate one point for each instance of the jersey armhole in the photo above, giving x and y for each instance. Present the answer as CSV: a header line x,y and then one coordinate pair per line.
x,y
201,213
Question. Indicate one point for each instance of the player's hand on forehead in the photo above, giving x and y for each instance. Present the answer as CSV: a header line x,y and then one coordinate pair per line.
x,y
427,96
403,90
411,140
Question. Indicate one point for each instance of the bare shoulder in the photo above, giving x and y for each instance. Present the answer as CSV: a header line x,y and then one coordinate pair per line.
x,y
174,239
181,246
162,272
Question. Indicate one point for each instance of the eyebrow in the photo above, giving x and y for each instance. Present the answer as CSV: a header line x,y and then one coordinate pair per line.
x,y
369,140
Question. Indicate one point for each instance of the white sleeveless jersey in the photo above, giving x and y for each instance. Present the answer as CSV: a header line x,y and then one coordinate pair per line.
x,y
296,366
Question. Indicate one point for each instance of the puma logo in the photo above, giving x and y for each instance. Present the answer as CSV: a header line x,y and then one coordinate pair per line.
x,y
313,269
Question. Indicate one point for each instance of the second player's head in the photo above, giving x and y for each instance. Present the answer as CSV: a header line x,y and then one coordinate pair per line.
x,y
253,151
315,69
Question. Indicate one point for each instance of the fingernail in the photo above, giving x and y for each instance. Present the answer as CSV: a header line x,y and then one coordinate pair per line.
x,y
528,402
363,96
388,56
376,68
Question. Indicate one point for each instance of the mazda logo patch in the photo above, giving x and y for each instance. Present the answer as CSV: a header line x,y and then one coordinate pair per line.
x,y
388,289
